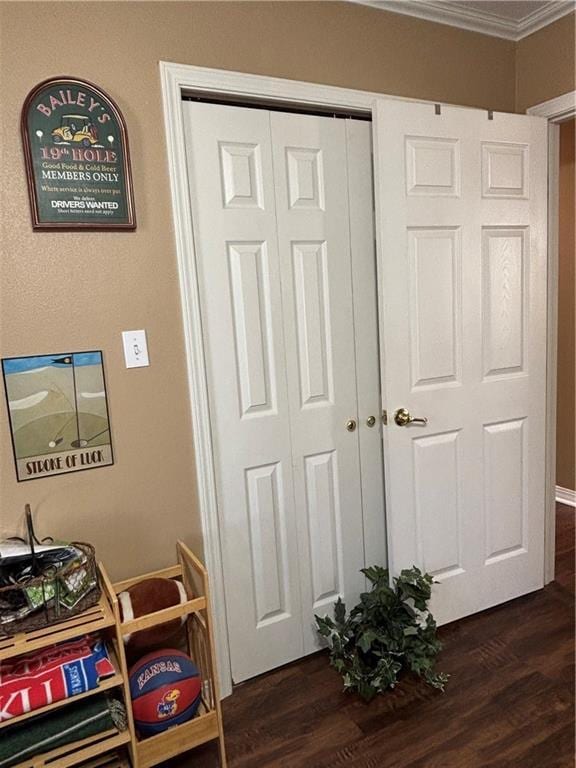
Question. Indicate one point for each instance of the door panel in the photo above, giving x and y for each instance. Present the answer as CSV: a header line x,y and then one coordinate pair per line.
x,y
310,272
505,281
462,226
504,489
311,185
232,196
284,239
435,288
365,290
435,468
251,307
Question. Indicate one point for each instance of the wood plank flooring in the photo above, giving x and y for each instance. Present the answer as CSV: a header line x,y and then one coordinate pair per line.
x,y
509,703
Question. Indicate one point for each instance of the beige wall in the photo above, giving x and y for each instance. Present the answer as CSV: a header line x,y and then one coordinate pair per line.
x,y
545,63
566,417
546,68
79,291
65,292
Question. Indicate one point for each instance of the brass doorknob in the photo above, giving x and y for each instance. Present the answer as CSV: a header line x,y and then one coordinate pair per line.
x,y
402,417
351,425
370,421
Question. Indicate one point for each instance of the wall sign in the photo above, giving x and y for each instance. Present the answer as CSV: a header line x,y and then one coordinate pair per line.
x,y
58,413
77,158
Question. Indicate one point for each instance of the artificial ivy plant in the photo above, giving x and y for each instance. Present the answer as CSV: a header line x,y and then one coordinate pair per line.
x,y
390,630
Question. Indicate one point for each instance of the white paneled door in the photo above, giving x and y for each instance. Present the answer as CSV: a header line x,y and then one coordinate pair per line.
x,y
462,225
286,269
295,347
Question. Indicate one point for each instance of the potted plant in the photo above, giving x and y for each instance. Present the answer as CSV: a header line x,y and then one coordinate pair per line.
x,y
390,630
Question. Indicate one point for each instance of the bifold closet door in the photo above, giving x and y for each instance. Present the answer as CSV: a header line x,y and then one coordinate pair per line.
x,y
270,201
462,217
233,207
311,185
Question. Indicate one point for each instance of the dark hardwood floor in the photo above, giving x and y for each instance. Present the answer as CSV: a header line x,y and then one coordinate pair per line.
x,y
509,703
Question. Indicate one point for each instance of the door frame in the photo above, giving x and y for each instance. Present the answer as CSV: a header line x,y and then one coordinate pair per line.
x,y
182,79
556,111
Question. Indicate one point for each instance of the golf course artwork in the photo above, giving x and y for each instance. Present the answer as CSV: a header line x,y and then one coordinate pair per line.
x,y
58,413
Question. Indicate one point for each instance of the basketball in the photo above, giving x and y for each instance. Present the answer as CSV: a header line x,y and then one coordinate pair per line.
x,y
165,687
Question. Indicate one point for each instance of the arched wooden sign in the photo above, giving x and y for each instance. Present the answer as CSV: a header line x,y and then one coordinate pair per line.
x,y
77,157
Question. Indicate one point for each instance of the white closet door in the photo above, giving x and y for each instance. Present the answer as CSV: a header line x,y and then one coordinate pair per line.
x,y
314,248
462,218
365,288
232,198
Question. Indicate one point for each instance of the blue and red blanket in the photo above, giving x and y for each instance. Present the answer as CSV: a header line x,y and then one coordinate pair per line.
x,y
34,680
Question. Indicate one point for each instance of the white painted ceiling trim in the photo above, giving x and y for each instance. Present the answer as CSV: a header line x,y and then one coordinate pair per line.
x,y
556,110
459,14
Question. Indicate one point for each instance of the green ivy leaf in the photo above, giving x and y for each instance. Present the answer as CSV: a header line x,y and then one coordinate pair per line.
x,y
339,611
324,625
366,639
376,574
367,691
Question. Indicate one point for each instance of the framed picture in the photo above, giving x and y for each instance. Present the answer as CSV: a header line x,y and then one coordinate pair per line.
x,y
58,413
77,158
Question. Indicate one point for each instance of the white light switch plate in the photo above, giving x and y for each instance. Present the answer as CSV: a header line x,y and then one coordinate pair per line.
x,y
135,349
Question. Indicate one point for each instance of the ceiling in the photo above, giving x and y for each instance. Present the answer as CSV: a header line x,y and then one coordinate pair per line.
x,y
511,19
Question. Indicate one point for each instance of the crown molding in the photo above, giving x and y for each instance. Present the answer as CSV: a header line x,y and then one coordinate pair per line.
x,y
474,20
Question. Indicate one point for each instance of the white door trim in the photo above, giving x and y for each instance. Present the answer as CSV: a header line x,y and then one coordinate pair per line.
x,y
176,80
556,111
565,496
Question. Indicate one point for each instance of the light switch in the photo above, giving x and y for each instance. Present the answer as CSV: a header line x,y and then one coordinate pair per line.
x,y
135,349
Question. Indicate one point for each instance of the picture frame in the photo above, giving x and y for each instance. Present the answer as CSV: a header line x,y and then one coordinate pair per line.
x,y
58,413
77,158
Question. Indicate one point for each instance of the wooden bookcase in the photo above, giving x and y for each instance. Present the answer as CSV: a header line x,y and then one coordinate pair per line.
x,y
101,750
100,618
207,724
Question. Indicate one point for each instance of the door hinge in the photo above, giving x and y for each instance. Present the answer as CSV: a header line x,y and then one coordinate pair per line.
x,y
385,418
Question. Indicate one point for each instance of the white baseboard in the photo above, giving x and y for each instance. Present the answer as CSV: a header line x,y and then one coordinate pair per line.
x,y
565,496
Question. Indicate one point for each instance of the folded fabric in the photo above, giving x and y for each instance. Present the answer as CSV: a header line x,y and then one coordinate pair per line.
x,y
52,674
104,666
56,729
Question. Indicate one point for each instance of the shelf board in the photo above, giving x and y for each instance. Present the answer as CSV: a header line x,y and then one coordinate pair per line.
x,y
166,573
78,751
110,682
93,620
178,739
114,760
164,615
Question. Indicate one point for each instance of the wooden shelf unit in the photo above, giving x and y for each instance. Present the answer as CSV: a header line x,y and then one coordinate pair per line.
x,y
207,724
97,619
101,749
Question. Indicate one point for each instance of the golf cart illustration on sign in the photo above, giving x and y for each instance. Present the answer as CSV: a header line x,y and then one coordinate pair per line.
x,y
75,129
